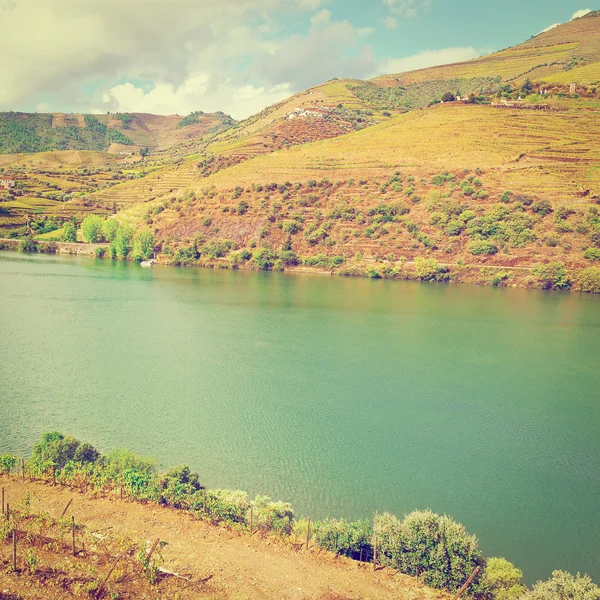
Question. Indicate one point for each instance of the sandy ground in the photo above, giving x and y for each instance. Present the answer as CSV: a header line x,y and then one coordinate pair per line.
x,y
237,565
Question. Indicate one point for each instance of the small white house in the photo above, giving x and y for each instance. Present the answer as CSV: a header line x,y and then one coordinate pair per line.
x,y
7,182
573,88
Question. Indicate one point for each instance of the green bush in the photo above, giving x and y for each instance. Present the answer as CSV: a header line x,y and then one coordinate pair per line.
x,y
454,228
8,462
481,248
551,277
592,253
91,228
542,207
264,259
273,516
344,537
222,505
563,586
69,232
28,245
433,547
503,579
242,206
428,269
589,280
59,449
290,227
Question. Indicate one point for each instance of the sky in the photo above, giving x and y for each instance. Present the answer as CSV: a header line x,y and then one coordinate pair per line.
x,y
237,56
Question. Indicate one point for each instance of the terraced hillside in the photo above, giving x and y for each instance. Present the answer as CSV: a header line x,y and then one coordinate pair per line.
x,y
565,54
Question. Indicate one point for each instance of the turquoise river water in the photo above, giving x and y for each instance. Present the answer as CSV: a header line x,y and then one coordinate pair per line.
x,y
342,396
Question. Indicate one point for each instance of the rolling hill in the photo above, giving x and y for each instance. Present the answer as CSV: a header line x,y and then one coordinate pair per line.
x,y
115,133
383,171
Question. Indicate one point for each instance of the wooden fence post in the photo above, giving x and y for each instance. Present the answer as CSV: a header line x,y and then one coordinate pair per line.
x,y
64,512
154,546
375,555
14,540
99,592
469,581
308,533
73,535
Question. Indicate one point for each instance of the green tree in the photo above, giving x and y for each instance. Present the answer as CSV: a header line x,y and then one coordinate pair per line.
x,y
563,586
109,229
503,579
119,247
433,547
143,245
91,228
69,233
589,280
552,276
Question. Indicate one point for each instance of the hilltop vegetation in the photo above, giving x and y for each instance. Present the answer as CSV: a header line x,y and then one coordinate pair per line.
x,y
21,132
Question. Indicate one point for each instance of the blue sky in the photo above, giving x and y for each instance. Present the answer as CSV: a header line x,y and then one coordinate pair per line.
x,y
238,56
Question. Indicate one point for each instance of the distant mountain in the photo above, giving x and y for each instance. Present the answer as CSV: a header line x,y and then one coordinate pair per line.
x,y
114,133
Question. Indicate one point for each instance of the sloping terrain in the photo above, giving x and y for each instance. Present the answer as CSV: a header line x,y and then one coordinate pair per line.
x,y
117,133
564,54
214,561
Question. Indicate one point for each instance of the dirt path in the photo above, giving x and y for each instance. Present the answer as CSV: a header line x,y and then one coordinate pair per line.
x,y
241,566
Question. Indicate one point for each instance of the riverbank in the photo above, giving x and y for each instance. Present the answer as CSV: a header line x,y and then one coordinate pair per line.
x,y
216,561
550,276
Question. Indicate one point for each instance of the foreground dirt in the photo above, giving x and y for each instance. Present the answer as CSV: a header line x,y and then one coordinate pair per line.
x,y
217,562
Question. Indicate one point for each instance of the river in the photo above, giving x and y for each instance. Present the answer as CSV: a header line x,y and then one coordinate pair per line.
x,y
342,396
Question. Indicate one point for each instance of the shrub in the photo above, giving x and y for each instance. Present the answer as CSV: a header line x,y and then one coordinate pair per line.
x,y
242,207
69,232
216,248
503,579
91,228
344,537
592,253
8,462
273,516
59,449
264,259
482,248
100,252
228,506
506,197
542,207
589,280
433,547
551,277
563,586
290,227
453,228
28,245
448,97
428,269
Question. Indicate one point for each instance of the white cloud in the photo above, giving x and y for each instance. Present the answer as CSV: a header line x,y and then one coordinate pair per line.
x,y
198,91
427,58
407,8
311,4
581,13
335,50
321,19
549,28
364,31
390,22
